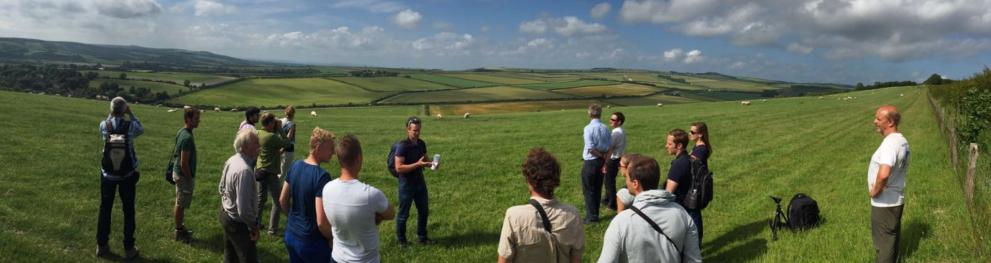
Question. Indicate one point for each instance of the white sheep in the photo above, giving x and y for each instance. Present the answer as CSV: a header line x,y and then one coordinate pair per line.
x,y
467,115
660,104
440,116
745,103
171,110
313,113
217,109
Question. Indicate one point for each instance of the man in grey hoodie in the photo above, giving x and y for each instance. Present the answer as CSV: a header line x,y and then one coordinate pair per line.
x,y
631,238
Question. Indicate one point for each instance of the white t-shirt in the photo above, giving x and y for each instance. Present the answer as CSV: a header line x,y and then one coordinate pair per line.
x,y
618,143
893,152
351,207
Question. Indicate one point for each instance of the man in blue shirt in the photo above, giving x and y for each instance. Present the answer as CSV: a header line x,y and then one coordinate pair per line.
x,y
411,157
680,175
597,141
124,182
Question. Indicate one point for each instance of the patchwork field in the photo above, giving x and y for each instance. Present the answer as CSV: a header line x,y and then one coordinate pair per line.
x,y
625,89
781,147
273,92
451,81
391,83
566,84
473,95
155,87
177,77
493,78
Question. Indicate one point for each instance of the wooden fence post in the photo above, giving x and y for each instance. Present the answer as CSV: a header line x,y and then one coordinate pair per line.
x,y
971,171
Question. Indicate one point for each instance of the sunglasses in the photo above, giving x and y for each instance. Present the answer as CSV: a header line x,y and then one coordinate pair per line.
x,y
693,132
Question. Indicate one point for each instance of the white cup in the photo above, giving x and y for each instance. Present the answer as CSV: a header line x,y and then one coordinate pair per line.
x,y
436,162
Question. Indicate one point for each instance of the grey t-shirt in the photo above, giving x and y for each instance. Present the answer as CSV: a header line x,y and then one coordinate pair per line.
x,y
350,206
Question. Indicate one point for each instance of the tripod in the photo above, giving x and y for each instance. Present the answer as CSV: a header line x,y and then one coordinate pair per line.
x,y
780,218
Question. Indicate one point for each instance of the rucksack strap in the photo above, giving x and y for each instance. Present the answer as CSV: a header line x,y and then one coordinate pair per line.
x,y
655,227
543,215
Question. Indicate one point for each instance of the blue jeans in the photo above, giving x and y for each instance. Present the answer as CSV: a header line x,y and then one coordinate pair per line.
x,y
108,191
409,194
307,251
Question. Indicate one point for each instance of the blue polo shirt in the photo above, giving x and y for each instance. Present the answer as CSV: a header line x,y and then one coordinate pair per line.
x,y
411,153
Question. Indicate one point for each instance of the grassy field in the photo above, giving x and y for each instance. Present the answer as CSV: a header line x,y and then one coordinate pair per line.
x,y
451,81
566,84
391,83
783,146
458,110
500,78
624,89
473,95
155,87
177,77
653,100
273,92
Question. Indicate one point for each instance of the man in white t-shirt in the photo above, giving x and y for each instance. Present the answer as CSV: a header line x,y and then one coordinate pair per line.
x,y
354,209
886,184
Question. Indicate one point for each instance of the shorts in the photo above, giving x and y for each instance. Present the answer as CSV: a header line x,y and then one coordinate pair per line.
x,y
183,191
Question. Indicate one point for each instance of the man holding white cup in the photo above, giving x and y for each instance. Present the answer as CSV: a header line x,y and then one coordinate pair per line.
x,y
411,158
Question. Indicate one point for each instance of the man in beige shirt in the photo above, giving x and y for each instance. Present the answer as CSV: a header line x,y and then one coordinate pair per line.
x,y
525,236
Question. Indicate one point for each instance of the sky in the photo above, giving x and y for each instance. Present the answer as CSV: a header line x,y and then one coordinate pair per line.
x,y
836,41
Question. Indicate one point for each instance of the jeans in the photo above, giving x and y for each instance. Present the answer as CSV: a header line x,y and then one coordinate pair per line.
x,y
409,194
697,219
269,185
592,187
886,228
238,246
610,181
108,190
309,251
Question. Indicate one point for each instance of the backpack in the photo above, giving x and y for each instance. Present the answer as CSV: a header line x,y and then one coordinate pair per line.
x,y
118,155
803,212
700,194
391,160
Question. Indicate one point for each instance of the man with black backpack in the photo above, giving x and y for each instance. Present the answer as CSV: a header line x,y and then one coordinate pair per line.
x,y
408,161
654,228
119,173
680,181
545,230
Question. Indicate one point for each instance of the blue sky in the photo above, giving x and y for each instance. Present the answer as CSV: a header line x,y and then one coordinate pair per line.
x,y
842,41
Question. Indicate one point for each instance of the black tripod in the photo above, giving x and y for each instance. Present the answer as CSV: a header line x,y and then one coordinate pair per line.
x,y
780,218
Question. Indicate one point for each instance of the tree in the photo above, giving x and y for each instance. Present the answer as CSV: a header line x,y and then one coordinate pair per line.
x,y
860,86
935,79
185,83
123,75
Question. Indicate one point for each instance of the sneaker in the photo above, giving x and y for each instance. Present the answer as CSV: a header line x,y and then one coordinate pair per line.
x,y
130,254
102,251
183,235
427,241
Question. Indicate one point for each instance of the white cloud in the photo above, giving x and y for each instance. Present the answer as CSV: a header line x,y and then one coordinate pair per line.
x,y
127,8
600,10
673,54
693,56
799,48
445,44
212,8
565,26
374,6
407,18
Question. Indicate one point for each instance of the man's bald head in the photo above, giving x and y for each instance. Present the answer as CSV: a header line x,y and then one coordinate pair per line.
x,y
886,119
891,113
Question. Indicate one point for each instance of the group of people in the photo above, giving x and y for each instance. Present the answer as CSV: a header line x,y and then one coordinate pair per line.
x,y
336,219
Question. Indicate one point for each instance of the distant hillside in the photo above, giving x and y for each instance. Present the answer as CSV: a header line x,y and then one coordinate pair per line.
x,y
20,50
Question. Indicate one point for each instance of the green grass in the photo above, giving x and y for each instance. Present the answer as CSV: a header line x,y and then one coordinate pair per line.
x,y
625,89
567,84
155,87
653,100
391,83
273,92
500,78
177,77
783,146
473,95
451,81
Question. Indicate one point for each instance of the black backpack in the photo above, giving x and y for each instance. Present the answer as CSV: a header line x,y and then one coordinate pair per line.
x,y
391,160
700,194
803,212
118,155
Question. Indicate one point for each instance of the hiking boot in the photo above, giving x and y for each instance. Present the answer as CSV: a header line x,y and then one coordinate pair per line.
x,y
183,235
130,254
102,251
427,241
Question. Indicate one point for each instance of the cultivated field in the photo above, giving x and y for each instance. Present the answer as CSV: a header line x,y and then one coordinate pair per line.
x,y
474,95
815,146
177,77
391,84
625,89
155,87
273,92
509,79
451,81
567,84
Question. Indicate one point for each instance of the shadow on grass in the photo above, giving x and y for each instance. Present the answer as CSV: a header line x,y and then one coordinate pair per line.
x,y
741,232
914,232
469,239
214,243
742,253
114,257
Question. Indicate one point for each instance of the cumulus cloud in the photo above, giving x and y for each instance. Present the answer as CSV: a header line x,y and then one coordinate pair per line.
x,y
677,54
673,54
211,8
893,30
693,56
407,18
600,10
564,26
445,43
